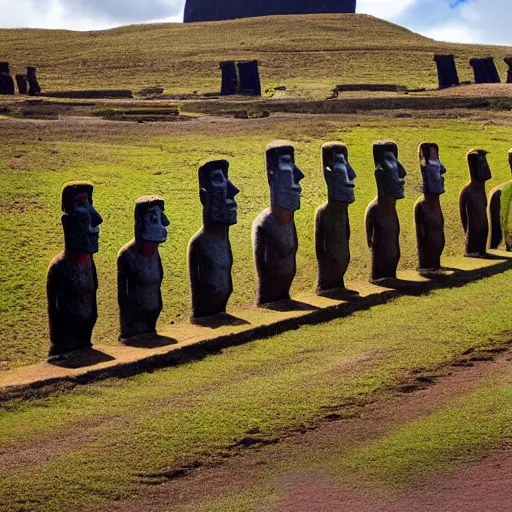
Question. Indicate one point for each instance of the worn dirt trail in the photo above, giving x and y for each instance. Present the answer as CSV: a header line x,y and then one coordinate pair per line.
x,y
286,470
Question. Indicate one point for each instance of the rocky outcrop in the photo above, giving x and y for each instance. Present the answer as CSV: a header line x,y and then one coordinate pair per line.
x,y
214,10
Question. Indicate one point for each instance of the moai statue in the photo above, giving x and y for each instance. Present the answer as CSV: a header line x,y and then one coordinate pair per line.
x,y
139,270
473,205
72,281
21,81
508,62
33,84
381,218
209,252
428,215
274,235
332,228
499,213
6,81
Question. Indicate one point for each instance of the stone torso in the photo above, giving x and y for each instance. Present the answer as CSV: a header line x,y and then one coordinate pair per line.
x,y
499,215
383,239
76,295
332,243
474,201
72,307
429,234
210,264
144,278
280,244
215,265
276,246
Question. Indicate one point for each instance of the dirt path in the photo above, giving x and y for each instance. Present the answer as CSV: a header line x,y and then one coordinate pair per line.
x,y
482,487
284,469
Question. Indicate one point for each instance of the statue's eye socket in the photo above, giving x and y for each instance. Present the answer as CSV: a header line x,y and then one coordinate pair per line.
x,y
153,218
218,178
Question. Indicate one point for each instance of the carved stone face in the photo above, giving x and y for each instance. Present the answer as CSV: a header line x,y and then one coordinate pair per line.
x,y
339,175
81,225
390,175
284,185
478,166
510,159
218,195
432,170
152,223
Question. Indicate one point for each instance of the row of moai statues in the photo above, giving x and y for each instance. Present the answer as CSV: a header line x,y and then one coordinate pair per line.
x,y
27,83
72,281
484,70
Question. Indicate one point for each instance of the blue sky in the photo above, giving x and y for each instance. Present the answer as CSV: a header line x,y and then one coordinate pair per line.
x,y
478,21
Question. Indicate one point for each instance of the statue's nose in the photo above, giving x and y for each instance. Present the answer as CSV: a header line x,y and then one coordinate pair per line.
x,y
96,218
232,190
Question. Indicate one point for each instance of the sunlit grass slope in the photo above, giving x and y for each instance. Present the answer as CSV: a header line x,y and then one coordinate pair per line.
x,y
308,54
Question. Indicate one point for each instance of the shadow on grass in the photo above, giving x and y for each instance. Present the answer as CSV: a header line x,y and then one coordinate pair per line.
x,y
343,294
150,341
222,320
81,359
289,305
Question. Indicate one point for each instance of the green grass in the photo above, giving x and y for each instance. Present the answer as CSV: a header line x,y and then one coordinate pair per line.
x,y
462,432
125,161
308,54
115,436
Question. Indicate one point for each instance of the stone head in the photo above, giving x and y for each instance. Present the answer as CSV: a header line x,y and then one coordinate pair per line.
x,y
150,220
510,158
80,220
432,169
283,176
338,173
217,193
389,172
479,170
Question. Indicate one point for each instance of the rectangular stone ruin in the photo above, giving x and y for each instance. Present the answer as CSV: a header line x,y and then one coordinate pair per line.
x,y
6,81
492,70
446,71
508,61
229,78
480,71
22,83
249,78
33,85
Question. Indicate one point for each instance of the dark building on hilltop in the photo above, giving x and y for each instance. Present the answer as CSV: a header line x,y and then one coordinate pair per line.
x,y
214,10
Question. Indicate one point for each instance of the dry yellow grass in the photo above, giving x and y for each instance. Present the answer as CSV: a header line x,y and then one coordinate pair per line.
x,y
309,54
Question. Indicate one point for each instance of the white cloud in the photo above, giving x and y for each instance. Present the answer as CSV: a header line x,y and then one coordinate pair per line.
x,y
383,8
87,14
463,21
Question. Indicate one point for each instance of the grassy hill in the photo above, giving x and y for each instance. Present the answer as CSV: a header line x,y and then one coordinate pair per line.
x,y
309,54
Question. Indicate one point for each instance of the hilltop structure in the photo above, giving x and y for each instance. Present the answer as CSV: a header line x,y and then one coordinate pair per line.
x,y
215,10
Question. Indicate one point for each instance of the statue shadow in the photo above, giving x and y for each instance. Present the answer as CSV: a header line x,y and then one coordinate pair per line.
x,y
342,294
289,305
403,285
80,359
442,274
150,341
220,320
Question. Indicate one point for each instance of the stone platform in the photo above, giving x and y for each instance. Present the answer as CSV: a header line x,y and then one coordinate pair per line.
x,y
185,342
